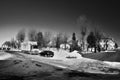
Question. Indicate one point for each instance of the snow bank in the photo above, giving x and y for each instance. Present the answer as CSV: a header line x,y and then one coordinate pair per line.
x,y
79,64
5,56
113,64
60,54
75,54
63,54
109,51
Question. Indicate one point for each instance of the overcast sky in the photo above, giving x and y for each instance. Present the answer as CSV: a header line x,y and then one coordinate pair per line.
x,y
57,15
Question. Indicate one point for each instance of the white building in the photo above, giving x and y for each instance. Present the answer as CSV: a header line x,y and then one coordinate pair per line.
x,y
111,45
28,45
107,43
64,46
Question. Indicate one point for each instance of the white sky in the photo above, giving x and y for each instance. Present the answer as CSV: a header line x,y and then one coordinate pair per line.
x,y
7,33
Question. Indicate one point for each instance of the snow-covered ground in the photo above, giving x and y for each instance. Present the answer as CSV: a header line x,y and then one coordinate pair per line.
x,y
88,52
113,64
79,64
63,54
4,56
28,65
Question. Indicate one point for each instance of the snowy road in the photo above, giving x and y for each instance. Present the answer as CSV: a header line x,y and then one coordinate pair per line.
x,y
82,65
36,66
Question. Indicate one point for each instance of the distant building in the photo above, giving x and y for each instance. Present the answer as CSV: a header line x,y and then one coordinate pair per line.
x,y
64,46
28,45
5,47
107,44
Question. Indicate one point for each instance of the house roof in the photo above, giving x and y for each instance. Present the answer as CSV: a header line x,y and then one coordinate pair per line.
x,y
30,42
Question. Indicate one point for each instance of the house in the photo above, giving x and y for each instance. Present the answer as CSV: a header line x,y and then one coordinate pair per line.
x,y
5,47
107,44
28,45
111,45
65,46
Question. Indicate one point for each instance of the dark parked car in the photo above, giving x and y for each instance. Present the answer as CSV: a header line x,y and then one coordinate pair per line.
x,y
8,49
47,53
0,48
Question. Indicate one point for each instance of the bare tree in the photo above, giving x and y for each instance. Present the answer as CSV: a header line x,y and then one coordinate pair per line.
x,y
65,39
83,23
83,33
91,40
21,36
58,40
39,38
13,43
32,35
47,38
7,43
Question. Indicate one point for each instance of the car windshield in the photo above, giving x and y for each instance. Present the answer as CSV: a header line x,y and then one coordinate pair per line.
x,y
35,46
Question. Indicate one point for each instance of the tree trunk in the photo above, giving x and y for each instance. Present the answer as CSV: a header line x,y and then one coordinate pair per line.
x,y
65,46
82,44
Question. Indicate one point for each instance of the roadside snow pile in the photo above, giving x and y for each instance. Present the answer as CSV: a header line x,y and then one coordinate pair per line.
x,y
109,51
59,54
63,54
5,56
113,64
74,54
